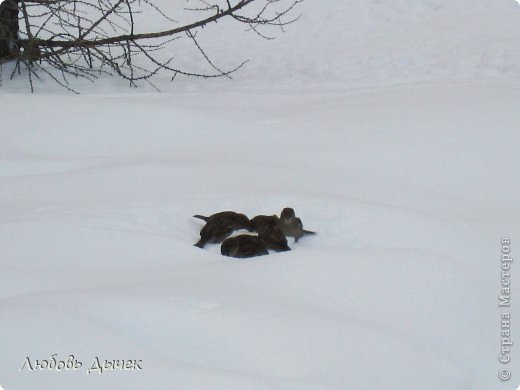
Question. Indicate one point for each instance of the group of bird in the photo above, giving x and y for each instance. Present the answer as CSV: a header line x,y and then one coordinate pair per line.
x,y
272,232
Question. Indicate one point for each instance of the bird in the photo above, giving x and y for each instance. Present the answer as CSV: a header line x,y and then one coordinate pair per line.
x,y
221,225
291,225
269,232
287,213
243,246
261,220
273,238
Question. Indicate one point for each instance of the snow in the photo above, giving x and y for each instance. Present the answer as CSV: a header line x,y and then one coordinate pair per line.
x,y
390,127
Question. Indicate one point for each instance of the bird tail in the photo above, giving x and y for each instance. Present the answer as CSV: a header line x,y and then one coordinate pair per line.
x,y
201,243
201,217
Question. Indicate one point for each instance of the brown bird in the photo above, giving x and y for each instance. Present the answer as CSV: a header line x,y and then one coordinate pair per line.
x,y
291,225
273,238
287,213
269,232
262,220
221,225
243,246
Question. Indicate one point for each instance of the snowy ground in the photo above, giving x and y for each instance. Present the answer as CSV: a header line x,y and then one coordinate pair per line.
x,y
409,172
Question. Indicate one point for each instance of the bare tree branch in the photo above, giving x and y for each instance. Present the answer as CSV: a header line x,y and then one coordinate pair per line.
x,y
86,38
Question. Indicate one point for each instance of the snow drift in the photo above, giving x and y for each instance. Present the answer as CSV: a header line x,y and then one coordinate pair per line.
x,y
391,128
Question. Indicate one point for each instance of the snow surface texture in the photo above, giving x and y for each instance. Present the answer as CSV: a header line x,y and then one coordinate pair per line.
x,y
392,128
